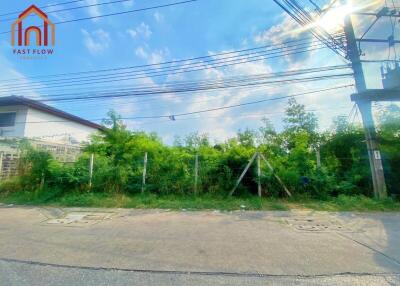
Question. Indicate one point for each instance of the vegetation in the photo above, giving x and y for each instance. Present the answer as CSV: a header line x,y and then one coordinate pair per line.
x,y
340,182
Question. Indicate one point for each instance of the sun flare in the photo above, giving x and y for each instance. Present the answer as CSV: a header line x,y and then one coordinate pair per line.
x,y
334,18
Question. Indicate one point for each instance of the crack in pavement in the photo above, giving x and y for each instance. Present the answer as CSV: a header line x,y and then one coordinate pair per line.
x,y
370,248
201,273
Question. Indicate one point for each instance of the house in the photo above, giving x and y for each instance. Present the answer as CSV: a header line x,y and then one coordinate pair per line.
x,y
21,117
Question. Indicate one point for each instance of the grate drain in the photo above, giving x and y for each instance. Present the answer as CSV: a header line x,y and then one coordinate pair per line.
x,y
317,225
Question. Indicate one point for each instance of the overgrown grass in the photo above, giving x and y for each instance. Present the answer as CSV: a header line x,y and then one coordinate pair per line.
x,y
54,197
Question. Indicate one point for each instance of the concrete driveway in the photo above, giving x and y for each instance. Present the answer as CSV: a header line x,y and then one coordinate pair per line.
x,y
50,246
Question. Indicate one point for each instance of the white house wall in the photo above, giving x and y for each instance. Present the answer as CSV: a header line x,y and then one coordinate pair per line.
x,y
18,130
41,124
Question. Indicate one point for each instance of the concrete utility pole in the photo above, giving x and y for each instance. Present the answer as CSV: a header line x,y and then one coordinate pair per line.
x,y
364,105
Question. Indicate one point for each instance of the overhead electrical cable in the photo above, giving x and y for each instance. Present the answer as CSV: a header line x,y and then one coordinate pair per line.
x,y
120,13
152,74
156,93
192,83
211,109
206,64
43,7
73,8
307,21
173,62
197,89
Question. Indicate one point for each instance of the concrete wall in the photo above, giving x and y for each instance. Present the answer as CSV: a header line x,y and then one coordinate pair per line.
x,y
32,123
50,127
18,130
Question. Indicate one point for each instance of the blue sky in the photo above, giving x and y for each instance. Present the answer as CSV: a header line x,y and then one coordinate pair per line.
x,y
165,34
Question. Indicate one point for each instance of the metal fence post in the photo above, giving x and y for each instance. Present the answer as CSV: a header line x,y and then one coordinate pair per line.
x,y
196,172
91,169
144,172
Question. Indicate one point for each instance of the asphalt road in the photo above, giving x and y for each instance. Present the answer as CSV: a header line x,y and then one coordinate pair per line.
x,y
136,247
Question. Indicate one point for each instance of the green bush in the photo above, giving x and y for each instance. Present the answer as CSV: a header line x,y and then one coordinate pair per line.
x,y
119,153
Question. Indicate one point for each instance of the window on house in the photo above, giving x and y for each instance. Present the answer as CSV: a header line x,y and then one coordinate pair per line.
x,y
7,119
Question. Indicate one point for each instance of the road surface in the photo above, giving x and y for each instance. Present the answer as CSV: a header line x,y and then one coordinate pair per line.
x,y
75,246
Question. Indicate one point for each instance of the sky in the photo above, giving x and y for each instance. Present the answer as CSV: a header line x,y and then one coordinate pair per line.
x,y
153,36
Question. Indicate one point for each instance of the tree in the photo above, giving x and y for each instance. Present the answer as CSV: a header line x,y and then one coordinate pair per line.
x,y
389,138
267,132
341,125
246,138
298,119
196,140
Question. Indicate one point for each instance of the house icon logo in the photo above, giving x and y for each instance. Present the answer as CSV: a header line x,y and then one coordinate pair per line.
x,y
38,35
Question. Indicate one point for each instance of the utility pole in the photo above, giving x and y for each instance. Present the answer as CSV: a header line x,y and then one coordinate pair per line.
x,y
364,105
363,97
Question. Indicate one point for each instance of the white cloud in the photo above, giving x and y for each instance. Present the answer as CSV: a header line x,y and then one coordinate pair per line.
x,y
97,41
158,17
156,57
280,32
9,71
59,15
93,11
286,30
128,4
143,30
152,57
141,53
224,123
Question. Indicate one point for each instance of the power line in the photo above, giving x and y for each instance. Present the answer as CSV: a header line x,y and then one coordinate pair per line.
x,y
306,20
159,71
157,74
201,88
251,115
241,104
120,13
42,7
206,110
181,96
299,41
74,8
201,83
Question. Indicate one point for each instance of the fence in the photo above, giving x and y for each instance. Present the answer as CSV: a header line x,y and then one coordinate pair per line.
x,y
194,171
9,154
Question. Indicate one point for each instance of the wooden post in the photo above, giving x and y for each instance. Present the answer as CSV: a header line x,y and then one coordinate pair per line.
x,y
42,182
259,175
243,173
196,173
276,176
144,172
91,162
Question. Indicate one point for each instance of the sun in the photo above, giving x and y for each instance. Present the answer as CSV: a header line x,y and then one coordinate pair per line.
x,y
333,20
